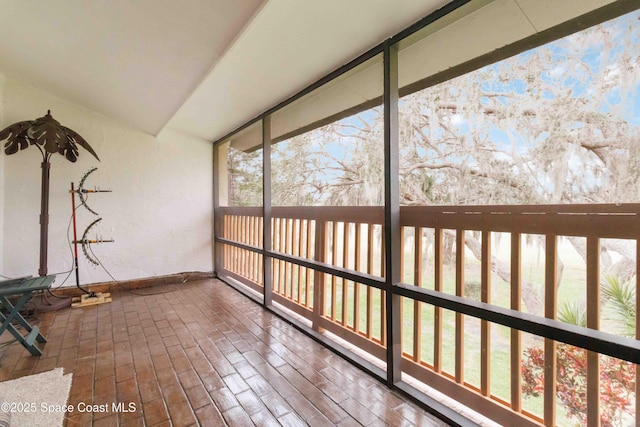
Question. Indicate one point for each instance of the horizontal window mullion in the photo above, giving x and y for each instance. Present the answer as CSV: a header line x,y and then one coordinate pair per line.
x,y
355,276
239,245
619,347
365,279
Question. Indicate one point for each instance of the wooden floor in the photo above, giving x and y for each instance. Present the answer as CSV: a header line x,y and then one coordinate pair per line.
x,y
202,354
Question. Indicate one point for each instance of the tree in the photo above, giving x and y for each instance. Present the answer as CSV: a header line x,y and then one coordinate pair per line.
x,y
245,177
340,164
556,124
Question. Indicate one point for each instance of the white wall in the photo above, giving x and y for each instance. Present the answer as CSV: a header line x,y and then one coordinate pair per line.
x,y
159,212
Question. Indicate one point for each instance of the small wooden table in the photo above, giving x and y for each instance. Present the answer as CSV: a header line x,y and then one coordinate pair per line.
x,y
23,287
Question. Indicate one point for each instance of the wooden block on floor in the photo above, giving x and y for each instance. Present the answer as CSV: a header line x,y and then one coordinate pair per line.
x,y
85,300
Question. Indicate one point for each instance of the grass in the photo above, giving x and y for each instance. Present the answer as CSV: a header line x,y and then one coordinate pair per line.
x,y
572,288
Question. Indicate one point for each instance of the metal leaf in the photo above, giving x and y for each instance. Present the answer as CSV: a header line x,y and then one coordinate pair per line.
x,y
70,151
47,133
73,138
16,136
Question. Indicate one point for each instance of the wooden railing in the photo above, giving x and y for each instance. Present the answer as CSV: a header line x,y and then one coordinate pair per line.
x,y
338,241
244,227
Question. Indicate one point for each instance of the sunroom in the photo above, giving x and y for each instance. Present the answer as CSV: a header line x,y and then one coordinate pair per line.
x,y
455,211
452,216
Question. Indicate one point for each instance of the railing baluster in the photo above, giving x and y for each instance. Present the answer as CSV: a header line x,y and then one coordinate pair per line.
x,y
241,252
299,236
250,254
275,243
417,306
383,320
485,327
345,264
275,238
281,283
242,238
225,248
229,264
320,252
234,250
259,256
288,293
459,374
516,346
256,242
310,242
291,251
292,245
273,272
239,234
287,249
274,246
550,310
242,233
437,311
593,322
370,256
403,280
256,255
334,261
383,272
383,330
247,239
356,286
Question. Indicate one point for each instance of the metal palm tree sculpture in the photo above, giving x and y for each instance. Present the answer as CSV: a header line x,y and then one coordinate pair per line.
x,y
50,137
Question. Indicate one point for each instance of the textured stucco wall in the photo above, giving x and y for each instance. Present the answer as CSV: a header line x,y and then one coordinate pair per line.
x,y
159,212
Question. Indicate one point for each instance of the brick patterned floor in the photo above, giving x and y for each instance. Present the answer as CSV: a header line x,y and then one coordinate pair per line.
x,y
203,354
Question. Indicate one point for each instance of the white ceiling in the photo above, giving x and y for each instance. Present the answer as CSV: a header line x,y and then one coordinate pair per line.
x,y
133,60
289,45
203,67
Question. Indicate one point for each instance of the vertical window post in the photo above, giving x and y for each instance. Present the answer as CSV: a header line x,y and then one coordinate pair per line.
x,y
266,210
217,218
392,213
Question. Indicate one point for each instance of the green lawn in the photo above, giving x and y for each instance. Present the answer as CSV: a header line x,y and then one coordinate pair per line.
x,y
572,288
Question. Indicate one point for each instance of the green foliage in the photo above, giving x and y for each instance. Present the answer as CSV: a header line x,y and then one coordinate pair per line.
x,y
620,296
574,313
617,378
617,383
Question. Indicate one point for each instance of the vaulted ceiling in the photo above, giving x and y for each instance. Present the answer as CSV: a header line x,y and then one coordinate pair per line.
x,y
203,67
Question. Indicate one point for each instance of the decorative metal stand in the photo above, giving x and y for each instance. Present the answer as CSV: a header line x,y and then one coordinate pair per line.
x,y
89,298
49,137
